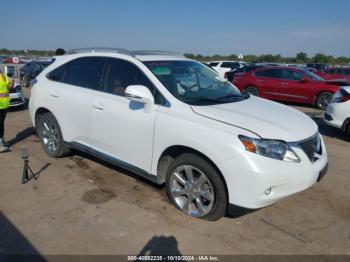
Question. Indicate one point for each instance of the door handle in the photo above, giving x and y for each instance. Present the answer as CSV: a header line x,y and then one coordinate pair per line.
x,y
98,106
284,84
260,80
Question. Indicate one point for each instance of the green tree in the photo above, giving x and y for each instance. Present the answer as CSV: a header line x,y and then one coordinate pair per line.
x,y
302,57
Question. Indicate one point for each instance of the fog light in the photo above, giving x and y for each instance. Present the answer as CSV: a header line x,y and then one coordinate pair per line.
x,y
268,191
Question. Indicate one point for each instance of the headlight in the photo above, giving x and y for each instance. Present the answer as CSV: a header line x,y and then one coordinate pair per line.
x,y
269,148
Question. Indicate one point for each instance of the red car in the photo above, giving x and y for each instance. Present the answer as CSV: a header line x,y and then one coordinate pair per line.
x,y
336,73
288,84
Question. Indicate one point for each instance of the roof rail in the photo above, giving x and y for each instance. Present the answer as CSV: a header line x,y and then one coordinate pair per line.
x,y
121,51
154,52
98,49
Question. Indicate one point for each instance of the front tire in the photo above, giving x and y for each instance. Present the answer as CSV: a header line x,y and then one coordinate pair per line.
x,y
196,188
251,90
50,135
323,100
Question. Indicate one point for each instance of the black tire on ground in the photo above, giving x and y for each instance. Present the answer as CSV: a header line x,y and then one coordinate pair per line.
x,y
219,207
323,99
347,131
47,126
251,90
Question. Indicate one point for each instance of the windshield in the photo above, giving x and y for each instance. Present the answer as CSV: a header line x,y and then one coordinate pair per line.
x,y
193,83
313,76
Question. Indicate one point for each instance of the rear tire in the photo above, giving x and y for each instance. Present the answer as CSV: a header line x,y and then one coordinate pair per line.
x,y
347,132
196,188
323,100
50,135
251,90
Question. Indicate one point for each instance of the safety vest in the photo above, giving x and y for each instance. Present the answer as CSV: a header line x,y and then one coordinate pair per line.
x,y
4,91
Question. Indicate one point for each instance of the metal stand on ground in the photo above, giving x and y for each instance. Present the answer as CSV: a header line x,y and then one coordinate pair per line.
x,y
28,174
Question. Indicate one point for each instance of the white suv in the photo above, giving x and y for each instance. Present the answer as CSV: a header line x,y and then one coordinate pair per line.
x,y
337,113
173,120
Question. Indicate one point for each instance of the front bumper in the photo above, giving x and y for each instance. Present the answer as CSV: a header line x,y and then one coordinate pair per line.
x,y
256,181
335,114
17,99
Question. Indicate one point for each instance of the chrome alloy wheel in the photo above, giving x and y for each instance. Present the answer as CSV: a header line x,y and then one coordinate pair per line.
x,y
192,191
49,136
324,100
250,90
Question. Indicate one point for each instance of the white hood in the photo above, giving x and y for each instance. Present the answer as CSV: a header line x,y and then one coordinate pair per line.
x,y
268,119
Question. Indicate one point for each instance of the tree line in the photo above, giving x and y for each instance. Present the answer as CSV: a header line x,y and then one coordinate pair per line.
x,y
7,52
300,58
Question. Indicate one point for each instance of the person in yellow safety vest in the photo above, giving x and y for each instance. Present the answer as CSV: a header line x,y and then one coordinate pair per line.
x,y
5,84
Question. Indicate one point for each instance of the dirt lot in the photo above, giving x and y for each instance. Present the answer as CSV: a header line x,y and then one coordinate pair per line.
x,y
80,205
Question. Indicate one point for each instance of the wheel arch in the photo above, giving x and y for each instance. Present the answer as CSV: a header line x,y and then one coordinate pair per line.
x,y
170,153
322,91
40,111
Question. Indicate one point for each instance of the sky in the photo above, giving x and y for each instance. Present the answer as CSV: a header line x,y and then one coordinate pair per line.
x,y
204,27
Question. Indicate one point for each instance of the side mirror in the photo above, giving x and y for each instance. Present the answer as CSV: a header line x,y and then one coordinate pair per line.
x,y
140,94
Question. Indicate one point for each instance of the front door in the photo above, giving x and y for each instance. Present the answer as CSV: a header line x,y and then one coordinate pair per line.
x,y
121,128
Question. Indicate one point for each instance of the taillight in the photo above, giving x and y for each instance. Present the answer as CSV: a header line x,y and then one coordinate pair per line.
x,y
342,96
345,98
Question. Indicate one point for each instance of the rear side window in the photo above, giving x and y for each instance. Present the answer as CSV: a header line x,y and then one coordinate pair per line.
x,y
292,75
84,72
213,64
230,65
273,73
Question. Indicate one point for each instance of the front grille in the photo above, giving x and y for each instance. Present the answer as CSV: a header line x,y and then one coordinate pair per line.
x,y
312,147
13,90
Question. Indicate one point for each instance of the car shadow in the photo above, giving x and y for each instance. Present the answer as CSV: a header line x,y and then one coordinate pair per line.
x,y
13,243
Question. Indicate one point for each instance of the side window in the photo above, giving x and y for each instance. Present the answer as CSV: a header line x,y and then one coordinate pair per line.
x,y
120,74
229,65
292,75
57,74
85,72
347,71
273,73
213,64
331,71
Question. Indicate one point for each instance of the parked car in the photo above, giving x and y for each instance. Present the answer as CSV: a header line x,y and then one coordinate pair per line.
x,y
224,66
338,111
337,73
247,68
29,71
318,66
173,121
288,84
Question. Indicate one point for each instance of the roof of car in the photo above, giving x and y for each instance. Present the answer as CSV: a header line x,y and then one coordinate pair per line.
x,y
142,55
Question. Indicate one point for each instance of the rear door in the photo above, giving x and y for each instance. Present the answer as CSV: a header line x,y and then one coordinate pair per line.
x,y
293,88
70,92
268,82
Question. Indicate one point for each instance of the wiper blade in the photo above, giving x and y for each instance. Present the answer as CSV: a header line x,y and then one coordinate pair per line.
x,y
233,96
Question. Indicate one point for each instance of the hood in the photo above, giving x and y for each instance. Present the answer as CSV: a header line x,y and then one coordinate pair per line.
x,y
265,118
